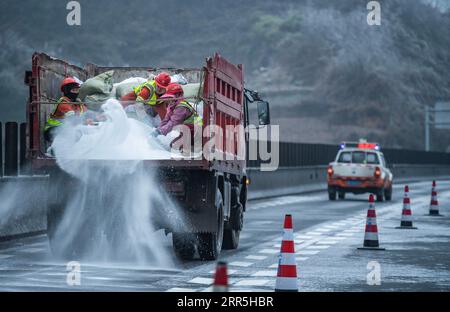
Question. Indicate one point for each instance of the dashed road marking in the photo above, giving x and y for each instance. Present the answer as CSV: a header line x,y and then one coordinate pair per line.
x,y
323,230
270,273
269,251
241,263
201,280
314,233
250,282
308,252
345,234
254,257
179,289
230,272
301,258
318,247
5,257
326,242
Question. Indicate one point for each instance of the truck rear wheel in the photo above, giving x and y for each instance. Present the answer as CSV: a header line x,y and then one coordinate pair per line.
x,y
184,245
210,244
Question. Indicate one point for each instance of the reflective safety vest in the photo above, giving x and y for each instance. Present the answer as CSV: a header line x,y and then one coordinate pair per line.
x,y
54,121
151,86
194,118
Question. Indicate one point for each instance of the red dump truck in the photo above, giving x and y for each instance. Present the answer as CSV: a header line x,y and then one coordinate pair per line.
x,y
212,193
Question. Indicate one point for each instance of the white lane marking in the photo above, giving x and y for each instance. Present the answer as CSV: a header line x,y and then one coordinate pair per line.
x,y
345,234
254,257
32,250
307,252
326,242
318,247
336,238
301,258
230,272
5,257
251,283
269,251
351,231
270,273
323,230
333,227
300,236
277,245
201,280
241,263
273,266
178,289
314,233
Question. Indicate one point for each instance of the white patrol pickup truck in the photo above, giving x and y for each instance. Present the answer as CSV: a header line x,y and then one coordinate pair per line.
x,y
359,168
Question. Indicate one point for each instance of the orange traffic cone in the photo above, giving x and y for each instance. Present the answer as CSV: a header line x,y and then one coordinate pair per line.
x,y
406,221
287,267
221,278
434,204
371,233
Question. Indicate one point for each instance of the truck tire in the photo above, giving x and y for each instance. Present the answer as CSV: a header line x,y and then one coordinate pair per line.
x,y
184,245
388,194
210,244
331,194
341,195
233,229
380,195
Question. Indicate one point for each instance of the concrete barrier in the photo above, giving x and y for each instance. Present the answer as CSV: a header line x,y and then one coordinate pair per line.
x,y
23,199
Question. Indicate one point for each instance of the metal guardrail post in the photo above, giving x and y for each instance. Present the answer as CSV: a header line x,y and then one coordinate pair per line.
x,y
23,162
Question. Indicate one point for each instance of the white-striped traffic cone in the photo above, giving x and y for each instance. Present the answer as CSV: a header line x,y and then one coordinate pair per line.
x,y
371,233
287,267
434,204
406,221
221,278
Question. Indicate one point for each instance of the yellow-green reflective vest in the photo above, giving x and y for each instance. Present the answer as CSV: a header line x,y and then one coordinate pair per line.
x,y
194,118
151,86
52,121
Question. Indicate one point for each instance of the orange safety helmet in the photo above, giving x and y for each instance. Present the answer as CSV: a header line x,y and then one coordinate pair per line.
x,y
162,79
67,81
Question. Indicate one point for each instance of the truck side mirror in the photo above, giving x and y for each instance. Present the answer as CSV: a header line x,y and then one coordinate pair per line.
x,y
263,113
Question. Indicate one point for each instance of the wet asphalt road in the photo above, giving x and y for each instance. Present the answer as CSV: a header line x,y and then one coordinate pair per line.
x,y
327,235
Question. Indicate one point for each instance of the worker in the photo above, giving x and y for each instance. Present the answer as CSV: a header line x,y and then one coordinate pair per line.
x,y
67,106
179,111
149,92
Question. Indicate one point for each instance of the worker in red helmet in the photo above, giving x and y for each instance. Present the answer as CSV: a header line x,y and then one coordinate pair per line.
x,y
179,112
68,105
149,92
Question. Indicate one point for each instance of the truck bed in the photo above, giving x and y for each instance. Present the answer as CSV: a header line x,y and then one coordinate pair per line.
x,y
221,90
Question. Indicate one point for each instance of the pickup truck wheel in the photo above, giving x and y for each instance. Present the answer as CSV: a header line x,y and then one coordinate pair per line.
x,y
210,244
341,195
380,195
331,194
388,194
184,245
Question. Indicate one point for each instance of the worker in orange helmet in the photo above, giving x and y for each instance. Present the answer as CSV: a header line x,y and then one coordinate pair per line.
x,y
148,93
68,105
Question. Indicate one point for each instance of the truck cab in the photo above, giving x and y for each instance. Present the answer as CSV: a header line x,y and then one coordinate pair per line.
x,y
359,167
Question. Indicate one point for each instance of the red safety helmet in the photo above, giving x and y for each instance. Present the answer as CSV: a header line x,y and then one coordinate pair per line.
x,y
174,89
67,81
162,79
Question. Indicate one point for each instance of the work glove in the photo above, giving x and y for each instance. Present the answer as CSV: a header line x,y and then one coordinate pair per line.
x,y
155,132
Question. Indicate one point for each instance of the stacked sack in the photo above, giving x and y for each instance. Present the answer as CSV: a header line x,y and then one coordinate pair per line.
x,y
95,91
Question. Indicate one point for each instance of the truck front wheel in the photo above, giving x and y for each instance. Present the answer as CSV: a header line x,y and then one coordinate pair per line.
x,y
184,245
210,244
